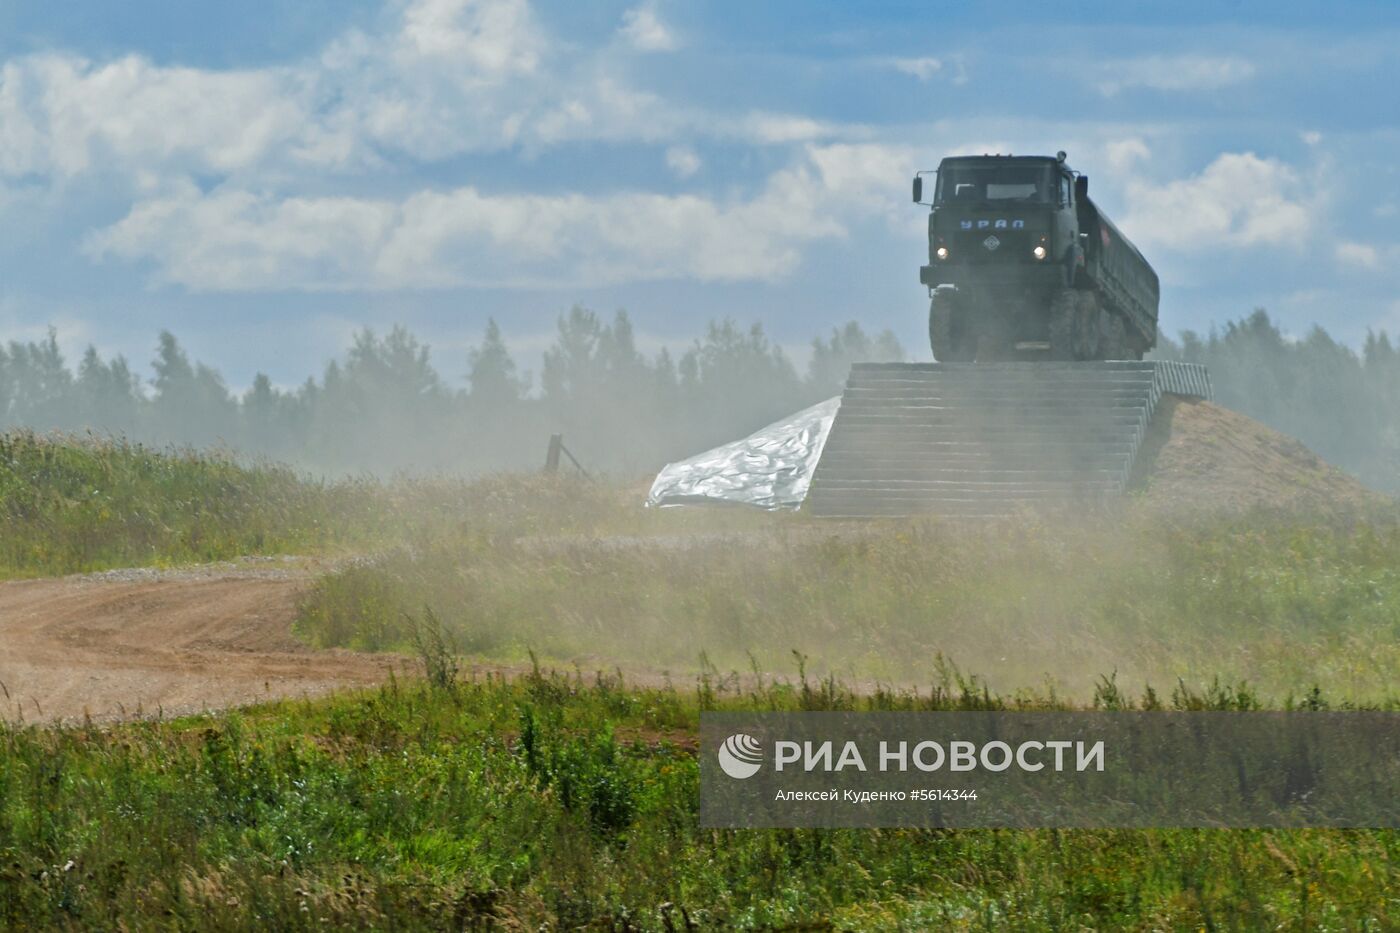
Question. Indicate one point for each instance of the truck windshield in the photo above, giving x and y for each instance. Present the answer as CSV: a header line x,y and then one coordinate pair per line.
x,y
997,183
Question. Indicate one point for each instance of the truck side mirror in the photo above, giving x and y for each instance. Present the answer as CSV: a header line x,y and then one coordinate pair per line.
x,y
1081,187
918,188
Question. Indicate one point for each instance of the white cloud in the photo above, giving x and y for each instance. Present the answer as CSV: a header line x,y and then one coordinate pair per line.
x,y
643,28
238,241
234,240
1173,73
451,78
495,38
869,179
447,78
1124,154
1362,255
62,115
455,77
921,68
1311,137
683,161
602,107
863,171
1239,200
771,128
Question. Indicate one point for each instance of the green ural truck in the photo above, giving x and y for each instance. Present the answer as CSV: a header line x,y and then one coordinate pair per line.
x,y
1022,265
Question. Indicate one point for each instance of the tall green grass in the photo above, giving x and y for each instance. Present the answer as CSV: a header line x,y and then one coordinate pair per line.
x,y
566,802
81,504
1273,600
70,504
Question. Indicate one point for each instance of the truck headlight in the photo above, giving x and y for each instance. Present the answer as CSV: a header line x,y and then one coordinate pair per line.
x,y
941,252
1038,253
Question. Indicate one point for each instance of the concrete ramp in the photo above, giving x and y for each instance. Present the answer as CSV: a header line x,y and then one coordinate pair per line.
x,y
986,439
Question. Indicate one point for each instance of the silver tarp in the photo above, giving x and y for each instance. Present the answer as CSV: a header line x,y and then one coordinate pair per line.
x,y
770,469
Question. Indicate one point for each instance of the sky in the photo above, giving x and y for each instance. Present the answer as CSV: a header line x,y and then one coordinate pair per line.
x,y
264,179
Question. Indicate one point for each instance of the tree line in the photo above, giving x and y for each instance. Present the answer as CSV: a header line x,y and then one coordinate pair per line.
x,y
1342,403
385,406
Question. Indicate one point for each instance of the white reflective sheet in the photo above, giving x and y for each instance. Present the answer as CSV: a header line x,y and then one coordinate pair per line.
x,y
770,469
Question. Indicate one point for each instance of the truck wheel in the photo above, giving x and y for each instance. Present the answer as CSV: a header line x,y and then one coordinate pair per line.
x,y
1092,337
1115,338
947,335
1065,325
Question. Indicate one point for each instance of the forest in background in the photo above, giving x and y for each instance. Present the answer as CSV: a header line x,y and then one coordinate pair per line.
x,y
386,405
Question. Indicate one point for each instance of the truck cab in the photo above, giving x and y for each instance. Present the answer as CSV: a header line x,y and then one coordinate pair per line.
x,y
1011,264
1011,214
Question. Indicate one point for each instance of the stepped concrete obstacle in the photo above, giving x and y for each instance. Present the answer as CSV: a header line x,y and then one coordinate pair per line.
x,y
985,439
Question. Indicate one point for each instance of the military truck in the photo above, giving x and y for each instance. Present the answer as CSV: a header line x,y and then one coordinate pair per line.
x,y
1022,265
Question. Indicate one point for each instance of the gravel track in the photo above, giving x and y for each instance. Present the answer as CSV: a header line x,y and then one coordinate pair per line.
x,y
149,642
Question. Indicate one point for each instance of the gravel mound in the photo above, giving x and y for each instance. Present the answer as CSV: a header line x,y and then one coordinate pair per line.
x,y
1198,456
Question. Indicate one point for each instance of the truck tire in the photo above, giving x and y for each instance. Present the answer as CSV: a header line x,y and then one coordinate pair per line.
x,y
1114,343
947,335
1076,325
1093,327
1064,324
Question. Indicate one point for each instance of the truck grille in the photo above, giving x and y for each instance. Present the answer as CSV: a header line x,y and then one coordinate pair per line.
x,y
1004,246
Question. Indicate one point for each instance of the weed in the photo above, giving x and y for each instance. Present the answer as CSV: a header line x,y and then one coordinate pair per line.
x,y
437,650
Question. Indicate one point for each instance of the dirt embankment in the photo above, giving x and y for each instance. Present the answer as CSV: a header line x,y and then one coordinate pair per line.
x,y
1200,457
149,642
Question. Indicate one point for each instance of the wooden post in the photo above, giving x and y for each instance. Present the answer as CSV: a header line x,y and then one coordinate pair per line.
x,y
551,459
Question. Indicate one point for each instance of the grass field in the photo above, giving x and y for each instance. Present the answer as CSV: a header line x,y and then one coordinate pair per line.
x,y
570,800
72,506
558,802
1276,601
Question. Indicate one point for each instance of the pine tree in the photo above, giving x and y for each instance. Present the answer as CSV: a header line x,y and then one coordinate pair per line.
x,y
492,371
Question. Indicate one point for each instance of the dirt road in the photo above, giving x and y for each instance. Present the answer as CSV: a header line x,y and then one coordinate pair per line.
x,y
128,643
